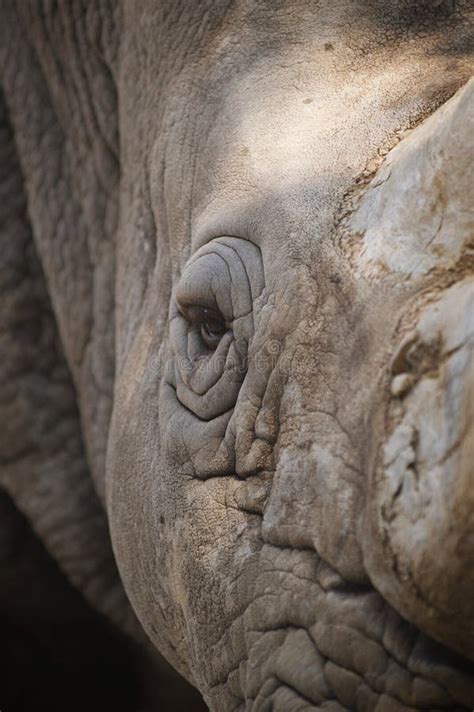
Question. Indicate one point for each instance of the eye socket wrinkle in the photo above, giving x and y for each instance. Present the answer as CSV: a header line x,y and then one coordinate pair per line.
x,y
213,306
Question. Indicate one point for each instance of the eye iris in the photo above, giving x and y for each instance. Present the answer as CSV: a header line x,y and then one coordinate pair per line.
x,y
209,323
212,329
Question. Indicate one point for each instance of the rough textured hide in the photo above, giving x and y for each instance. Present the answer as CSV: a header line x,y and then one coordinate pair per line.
x,y
416,220
58,169
236,332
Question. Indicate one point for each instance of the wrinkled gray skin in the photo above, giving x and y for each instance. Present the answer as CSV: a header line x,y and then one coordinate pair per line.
x,y
274,514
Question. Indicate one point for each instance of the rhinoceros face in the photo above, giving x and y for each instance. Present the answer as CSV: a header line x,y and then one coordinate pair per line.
x,y
288,474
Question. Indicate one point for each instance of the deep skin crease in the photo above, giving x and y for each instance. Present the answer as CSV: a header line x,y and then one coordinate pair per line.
x,y
234,470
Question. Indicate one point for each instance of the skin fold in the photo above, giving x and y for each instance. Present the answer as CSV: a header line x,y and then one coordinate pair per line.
x,y
250,227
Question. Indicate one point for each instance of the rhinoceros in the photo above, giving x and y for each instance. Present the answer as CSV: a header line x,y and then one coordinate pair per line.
x,y
237,320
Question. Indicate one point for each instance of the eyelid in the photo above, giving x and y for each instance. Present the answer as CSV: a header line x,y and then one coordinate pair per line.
x,y
187,299
199,315
195,313
206,282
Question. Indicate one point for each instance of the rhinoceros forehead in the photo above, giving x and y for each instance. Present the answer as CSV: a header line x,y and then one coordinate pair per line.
x,y
279,143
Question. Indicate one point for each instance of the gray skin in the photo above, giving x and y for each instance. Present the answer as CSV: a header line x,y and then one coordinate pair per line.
x,y
224,355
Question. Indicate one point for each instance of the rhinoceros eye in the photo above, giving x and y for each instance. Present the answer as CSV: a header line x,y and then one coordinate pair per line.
x,y
209,323
212,331
212,324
